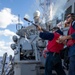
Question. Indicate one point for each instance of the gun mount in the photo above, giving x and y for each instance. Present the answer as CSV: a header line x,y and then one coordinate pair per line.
x,y
28,49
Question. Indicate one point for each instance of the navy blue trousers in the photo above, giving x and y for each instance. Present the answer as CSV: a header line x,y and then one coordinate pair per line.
x,y
71,55
72,65
53,62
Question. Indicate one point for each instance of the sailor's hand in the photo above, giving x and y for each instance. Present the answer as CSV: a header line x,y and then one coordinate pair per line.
x,y
44,53
61,39
39,28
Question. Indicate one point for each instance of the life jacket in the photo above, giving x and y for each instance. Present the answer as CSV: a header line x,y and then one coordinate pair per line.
x,y
71,41
53,46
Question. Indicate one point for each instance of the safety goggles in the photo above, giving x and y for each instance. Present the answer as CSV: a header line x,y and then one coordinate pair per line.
x,y
68,17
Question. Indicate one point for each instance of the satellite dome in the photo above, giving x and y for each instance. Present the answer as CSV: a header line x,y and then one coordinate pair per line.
x,y
36,14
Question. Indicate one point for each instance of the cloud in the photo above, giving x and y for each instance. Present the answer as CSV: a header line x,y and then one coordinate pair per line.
x,y
5,43
5,47
27,16
7,32
7,18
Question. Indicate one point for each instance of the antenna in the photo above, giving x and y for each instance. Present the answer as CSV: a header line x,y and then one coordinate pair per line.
x,y
45,5
18,25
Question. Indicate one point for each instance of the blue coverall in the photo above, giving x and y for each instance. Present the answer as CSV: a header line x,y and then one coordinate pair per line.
x,y
71,54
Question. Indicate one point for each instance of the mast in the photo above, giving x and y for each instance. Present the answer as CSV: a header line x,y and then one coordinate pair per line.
x,y
47,12
45,5
18,25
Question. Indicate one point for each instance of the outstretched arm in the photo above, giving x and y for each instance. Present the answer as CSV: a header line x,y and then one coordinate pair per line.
x,y
61,39
45,34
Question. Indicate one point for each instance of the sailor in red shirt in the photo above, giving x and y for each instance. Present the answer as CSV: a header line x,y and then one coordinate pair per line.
x,y
53,60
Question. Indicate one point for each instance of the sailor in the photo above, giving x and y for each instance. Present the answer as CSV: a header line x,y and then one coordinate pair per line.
x,y
53,60
70,42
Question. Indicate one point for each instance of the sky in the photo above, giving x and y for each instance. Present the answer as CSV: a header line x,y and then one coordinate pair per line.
x,y
9,11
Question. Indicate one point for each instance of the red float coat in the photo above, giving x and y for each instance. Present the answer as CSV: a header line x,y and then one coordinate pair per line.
x,y
53,46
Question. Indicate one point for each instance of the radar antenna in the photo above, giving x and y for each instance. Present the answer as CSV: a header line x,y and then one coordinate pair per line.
x,y
45,5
